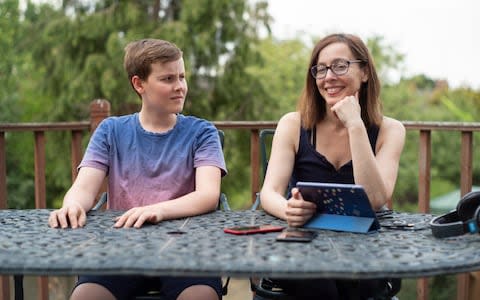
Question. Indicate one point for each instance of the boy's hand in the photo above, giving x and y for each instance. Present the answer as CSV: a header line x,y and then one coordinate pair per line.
x,y
71,214
137,216
298,210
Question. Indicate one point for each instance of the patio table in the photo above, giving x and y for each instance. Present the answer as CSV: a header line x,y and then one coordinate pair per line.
x,y
197,246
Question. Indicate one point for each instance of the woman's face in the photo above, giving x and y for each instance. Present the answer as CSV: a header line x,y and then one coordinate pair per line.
x,y
332,87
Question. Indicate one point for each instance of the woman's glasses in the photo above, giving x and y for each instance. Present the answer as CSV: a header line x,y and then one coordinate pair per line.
x,y
338,67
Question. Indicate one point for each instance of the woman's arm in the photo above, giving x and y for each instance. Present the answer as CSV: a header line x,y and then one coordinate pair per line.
x,y
377,174
295,211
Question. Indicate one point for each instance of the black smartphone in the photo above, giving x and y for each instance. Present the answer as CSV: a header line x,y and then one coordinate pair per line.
x,y
296,235
253,229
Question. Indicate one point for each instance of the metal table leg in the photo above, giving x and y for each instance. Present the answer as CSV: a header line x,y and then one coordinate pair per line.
x,y
18,280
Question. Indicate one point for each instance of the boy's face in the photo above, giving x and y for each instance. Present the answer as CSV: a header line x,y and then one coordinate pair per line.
x,y
165,88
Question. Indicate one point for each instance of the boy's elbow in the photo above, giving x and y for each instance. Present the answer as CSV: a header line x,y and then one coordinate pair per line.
x,y
213,201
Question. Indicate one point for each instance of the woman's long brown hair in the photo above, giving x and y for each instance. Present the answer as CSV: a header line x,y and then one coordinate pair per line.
x,y
312,106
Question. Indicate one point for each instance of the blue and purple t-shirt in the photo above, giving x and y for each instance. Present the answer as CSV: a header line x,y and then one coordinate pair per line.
x,y
145,168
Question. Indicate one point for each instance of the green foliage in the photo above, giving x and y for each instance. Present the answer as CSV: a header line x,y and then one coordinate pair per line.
x,y
20,183
9,64
76,56
440,288
57,59
386,58
280,82
422,99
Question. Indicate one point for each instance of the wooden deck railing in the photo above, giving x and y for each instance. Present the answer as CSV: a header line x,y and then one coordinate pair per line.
x,y
100,109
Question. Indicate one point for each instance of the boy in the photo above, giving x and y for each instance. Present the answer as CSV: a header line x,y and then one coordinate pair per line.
x,y
160,164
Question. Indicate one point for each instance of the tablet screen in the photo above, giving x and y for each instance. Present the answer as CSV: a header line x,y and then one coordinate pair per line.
x,y
338,199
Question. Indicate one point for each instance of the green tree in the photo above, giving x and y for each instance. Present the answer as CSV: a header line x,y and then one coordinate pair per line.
x,y
81,49
77,56
275,84
10,62
233,74
420,98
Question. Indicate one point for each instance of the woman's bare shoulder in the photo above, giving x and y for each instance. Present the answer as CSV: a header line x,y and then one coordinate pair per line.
x,y
390,124
291,118
391,130
288,129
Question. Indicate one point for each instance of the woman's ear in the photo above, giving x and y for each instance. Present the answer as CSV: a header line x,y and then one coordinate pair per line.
x,y
137,84
364,76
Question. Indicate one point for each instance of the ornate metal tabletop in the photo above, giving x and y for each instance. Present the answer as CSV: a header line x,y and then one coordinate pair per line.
x,y
198,246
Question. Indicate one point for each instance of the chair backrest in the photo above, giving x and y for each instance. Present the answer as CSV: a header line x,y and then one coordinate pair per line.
x,y
266,136
265,140
221,135
223,201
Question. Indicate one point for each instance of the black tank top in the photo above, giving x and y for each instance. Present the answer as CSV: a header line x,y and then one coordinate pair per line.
x,y
311,165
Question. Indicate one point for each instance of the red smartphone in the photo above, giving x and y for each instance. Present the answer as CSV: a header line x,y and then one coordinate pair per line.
x,y
253,229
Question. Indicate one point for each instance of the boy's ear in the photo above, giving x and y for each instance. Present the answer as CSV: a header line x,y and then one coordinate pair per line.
x,y
137,84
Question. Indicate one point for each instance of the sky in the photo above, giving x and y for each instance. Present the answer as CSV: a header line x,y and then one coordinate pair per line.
x,y
439,38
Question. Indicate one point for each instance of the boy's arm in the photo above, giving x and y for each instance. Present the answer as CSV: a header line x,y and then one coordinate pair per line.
x,y
79,199
202,200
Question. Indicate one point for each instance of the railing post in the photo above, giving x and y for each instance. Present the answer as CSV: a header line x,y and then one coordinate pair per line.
x,y
4,280
466,159
40,185
424,194
425,153
3,172
4,287
42,285
99,110
40,198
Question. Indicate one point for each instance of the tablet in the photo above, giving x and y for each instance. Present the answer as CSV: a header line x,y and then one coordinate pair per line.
x,y
335,202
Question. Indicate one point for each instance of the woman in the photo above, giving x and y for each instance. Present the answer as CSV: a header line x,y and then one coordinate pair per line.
x,y
338,135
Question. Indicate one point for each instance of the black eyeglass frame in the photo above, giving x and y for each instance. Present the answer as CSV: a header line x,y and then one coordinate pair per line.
x,y
313,70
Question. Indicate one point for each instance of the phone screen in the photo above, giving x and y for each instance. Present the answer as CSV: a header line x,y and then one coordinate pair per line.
x,y
296,235
253,229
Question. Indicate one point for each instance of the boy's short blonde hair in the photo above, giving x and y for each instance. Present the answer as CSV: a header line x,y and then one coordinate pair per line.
x,y
141,54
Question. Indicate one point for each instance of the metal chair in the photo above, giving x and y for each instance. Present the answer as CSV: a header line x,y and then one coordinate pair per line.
x,y
268,289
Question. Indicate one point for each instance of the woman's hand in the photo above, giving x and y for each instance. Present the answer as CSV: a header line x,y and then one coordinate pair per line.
x,y
71,214
298,210
348,111
137,216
